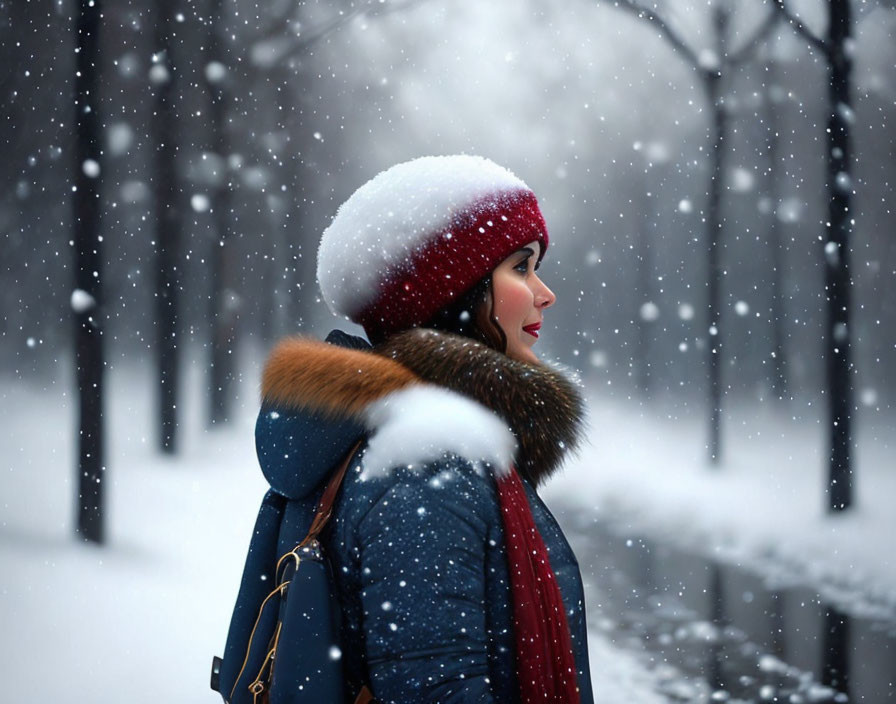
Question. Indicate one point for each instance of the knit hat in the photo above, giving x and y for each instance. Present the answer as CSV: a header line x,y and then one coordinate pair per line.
x,y
420,234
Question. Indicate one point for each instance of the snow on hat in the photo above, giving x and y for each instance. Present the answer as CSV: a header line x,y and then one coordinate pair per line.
x,y
420,234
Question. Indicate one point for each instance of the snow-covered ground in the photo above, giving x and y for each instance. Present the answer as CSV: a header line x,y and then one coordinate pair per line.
x,y
139,619
144,614
762,507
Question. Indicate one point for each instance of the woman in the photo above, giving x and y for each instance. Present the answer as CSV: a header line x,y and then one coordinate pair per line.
x,y
455,583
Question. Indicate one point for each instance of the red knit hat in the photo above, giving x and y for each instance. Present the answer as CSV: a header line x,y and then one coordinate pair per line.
x,y
420,234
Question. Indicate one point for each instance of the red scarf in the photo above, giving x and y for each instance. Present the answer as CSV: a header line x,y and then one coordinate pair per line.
x,y
546,668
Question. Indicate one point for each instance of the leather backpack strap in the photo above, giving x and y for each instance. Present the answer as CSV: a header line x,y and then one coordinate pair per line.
x,y
365,696
324,511
325,507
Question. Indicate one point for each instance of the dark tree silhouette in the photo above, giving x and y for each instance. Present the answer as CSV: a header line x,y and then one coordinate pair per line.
x,y
267,62
169,226
654,157
644,284
775,240
222,269
87,296
278,51
712,69
835,658
836,50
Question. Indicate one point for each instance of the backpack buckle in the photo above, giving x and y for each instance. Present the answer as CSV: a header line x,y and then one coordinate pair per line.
x,y
216,673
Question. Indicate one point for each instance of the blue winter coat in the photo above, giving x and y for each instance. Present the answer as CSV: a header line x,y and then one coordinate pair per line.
x,y
417,553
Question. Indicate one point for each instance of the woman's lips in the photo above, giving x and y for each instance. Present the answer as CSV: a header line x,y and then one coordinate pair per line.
x,y
532,329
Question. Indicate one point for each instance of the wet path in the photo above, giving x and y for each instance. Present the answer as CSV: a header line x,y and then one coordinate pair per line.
x,y
715,632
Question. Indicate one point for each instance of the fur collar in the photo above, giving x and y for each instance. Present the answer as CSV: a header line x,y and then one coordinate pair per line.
x,y
302,373
387,389
543,408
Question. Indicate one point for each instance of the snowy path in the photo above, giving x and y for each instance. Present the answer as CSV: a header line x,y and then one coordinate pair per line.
x,y
735,581
144,614
763,507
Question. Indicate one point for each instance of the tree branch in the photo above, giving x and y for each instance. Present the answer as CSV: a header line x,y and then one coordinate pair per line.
x,y
748,49
675,40
306,39
801,29
278,19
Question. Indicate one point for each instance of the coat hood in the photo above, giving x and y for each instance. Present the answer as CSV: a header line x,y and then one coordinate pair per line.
x,y
421,395
319,398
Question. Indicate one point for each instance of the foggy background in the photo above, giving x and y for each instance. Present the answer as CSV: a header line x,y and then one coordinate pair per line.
x,y
587,103
167,173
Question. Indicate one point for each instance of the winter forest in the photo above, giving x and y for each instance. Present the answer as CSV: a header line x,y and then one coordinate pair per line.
x,y
718,182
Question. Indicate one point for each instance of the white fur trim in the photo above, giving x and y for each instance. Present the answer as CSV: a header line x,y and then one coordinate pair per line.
x,y
424,423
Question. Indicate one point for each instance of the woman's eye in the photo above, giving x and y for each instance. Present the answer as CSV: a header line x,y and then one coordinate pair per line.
x,y
523,266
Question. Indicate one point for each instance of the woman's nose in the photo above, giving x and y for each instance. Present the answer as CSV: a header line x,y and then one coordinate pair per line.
x,y
544,297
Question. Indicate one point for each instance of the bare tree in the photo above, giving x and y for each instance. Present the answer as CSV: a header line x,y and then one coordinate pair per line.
x,y
222,273
835,47
644,285
277,51
285,36
87,297
712,67
776,244
654,157
168,224
272,60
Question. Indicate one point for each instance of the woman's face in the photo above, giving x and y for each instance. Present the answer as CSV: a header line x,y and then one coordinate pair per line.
x,y
519,300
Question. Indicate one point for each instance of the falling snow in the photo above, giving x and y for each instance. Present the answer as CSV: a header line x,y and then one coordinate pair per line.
x,y
81,301
612,128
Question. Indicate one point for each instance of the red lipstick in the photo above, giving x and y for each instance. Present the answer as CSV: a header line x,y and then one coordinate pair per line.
x,y
532,329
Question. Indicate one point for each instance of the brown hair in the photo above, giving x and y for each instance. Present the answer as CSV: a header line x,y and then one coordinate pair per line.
x,y
473,315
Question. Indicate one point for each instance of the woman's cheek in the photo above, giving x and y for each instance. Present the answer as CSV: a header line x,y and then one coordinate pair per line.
x,y
514,306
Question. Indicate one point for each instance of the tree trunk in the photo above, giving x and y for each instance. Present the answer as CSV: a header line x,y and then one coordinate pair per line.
x,y
713,83
836,253
713,269
836,641
169,227
714,670
644,294
286,234
778,313
222,302
87,298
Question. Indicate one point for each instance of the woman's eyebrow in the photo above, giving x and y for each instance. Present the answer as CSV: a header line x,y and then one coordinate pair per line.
x,y
528,251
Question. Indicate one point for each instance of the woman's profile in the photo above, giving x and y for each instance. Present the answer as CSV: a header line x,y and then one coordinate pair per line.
x,y
453,581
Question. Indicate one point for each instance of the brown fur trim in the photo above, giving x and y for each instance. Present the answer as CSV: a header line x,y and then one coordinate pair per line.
x,y
304,373
543,408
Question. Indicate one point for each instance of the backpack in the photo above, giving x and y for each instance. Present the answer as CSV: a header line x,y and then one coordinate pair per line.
x,y
291,653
